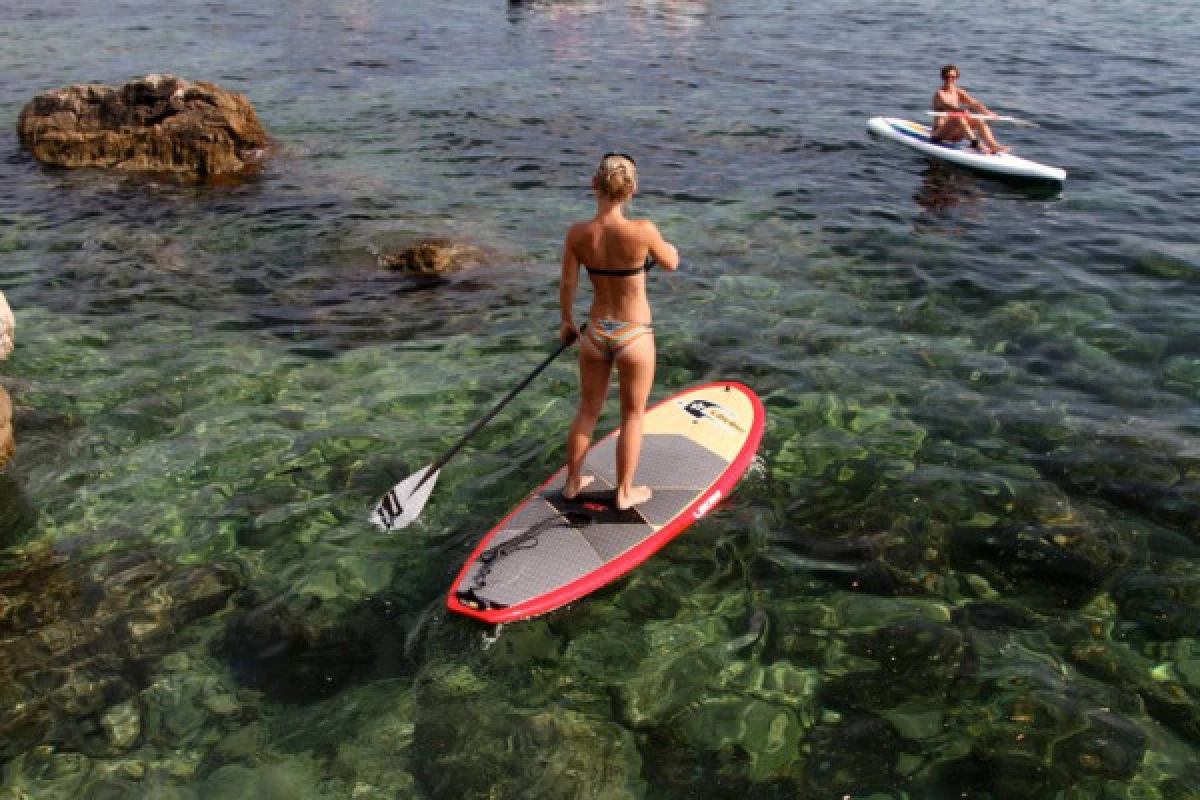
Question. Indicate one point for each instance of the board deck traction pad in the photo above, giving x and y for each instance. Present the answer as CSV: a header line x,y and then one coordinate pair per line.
x,y
550,550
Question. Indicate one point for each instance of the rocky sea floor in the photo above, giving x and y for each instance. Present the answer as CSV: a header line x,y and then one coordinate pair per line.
x,y
967,564
896,603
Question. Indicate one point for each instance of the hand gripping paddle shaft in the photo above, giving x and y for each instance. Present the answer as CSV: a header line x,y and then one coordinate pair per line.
x,y
404,502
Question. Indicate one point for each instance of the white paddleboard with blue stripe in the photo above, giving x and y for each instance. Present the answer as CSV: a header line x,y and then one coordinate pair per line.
x,y
915,135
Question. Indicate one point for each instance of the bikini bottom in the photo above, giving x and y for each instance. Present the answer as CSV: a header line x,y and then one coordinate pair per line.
x,y
610,336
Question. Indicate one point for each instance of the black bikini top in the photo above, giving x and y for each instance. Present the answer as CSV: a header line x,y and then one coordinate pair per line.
x,y
623,273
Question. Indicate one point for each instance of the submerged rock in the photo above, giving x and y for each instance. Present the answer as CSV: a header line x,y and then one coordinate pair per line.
x,y
1001,776
301,648
433,257
1109,746
1046,719
764,736
383,735
18,516
682,657
913,659
122,725
1182,374
854,756
1130,472
295,779
159,123
1167,701
78,638
1165,604
1047,565
471,742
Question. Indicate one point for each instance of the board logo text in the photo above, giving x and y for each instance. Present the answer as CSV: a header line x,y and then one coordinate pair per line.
x,y
713,412
707,505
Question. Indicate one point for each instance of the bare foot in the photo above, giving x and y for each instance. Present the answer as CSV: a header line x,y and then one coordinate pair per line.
x,y
572,489
1000,148
635,497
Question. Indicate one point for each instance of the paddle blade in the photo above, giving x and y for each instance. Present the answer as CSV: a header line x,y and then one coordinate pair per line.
x,y
404,502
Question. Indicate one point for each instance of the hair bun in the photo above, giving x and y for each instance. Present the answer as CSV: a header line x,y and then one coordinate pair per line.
x,y
616,178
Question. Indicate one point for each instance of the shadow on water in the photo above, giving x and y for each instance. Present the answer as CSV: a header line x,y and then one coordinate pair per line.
x,y
945,187
18,517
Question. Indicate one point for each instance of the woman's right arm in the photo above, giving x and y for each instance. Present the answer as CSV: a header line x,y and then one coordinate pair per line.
x,y
567,331
665,254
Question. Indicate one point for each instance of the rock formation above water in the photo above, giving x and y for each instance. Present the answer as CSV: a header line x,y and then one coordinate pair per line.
x,y
159,123
433,257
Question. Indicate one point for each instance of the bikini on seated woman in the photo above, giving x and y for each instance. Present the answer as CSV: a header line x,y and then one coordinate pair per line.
x,y
619,329
956,122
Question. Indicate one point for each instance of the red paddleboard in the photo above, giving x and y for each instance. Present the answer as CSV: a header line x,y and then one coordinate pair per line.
x,y
550,551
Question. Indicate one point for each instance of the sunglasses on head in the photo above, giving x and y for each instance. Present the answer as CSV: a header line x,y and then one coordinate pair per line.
x,y
625,156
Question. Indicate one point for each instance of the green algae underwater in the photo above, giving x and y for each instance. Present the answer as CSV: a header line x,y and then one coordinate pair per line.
x,y
968,564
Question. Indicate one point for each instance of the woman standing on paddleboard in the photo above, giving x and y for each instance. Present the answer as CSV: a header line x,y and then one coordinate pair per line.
x,y
616,252
956,125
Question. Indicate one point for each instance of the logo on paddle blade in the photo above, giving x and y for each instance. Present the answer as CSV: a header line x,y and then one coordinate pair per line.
x,y
713,412
388,511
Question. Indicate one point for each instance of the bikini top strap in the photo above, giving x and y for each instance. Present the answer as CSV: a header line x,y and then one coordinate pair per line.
x,y
623,273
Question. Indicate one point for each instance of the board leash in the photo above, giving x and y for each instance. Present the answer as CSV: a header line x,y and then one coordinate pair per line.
x,y
488,558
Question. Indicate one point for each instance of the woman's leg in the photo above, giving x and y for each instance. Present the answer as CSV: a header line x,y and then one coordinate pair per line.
x,y
951,129
594,372
985,133
635,366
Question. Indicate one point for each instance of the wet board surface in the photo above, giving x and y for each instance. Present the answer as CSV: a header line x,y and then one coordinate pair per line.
x,y
550,551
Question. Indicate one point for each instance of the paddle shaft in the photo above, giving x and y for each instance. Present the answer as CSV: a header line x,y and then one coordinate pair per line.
x,y
984,117
486,418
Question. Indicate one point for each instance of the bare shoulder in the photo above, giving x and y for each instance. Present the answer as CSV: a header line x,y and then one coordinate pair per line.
x,y
663,251
646,229
578,231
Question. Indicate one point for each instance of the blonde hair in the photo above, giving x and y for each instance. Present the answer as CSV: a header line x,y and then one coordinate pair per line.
x,y
616,177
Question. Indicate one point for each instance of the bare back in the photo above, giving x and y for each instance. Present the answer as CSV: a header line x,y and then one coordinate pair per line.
x,y
611,242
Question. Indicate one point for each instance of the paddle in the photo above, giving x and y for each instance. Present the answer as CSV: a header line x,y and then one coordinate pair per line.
x,y
1021,123
404,502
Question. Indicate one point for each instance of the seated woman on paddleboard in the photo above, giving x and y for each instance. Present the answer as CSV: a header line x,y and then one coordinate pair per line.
x,y
954,127
616,252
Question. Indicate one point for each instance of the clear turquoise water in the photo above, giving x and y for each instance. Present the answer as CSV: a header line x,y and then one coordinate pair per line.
x,y
969,566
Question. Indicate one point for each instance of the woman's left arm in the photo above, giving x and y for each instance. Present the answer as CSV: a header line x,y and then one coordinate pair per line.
x,y
973,104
